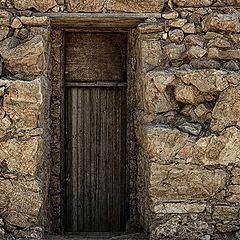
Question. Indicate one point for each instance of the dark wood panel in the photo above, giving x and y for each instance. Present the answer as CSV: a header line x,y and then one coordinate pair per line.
x,y
96,159
96,56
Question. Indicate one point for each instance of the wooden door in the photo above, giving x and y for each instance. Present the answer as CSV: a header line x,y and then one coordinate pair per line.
x,y
95,110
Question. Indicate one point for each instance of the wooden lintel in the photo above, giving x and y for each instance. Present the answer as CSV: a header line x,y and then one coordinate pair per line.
x,y
125,20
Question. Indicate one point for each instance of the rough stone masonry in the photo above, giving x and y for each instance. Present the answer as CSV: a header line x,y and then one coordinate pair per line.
x,y
186,116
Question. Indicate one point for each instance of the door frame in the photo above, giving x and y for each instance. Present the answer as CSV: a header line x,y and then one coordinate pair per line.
x,y
63,126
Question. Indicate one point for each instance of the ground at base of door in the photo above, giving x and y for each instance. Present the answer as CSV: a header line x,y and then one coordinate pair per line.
x,y
138,236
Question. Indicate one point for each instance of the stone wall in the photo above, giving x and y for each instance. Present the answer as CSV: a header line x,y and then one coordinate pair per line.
x,y
184,97
187,124
24,125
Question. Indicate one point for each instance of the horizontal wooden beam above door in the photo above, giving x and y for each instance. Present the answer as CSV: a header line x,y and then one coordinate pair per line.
x,y
123,20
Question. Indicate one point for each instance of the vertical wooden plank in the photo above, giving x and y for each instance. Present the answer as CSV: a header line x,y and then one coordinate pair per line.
x,y
87,161
98,152
103,157
72,180
93,124
75,157
68,154
80,170
122,156
110,156
113,160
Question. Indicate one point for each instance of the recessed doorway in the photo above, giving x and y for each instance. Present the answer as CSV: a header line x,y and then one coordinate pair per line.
x,y
96,196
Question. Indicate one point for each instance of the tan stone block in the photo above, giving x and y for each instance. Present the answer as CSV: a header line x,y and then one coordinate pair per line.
x,y
166,145
85,5
26,59
176,35
206,80
135,6
228,226
234,189
16,23
151,53
28,203
156,96
189,28
225,213
3,32
219,43
235,175
213,150
184,182
5,18
179,227
226,111
29,233
23,103
188,94
177,23
5,123
170,15
193,3
196,52
201,110
18,219
221,22
22,156
205,64
175,51
179,208
229,2
35,21
151,27
6,190
216,53
161,143
42,6
195,40
235,38
235,198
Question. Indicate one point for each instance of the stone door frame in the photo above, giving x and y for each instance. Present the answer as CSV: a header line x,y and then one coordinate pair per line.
x,y
92,23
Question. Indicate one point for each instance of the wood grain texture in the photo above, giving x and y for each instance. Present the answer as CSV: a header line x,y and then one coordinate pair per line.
x,y
95,57
96,159
96,123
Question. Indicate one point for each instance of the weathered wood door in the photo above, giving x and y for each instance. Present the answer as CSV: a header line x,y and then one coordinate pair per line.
x,y
95,112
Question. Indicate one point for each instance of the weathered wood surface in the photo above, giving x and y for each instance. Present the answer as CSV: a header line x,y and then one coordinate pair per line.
x,y
125,20
95,57
96,123
96,131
